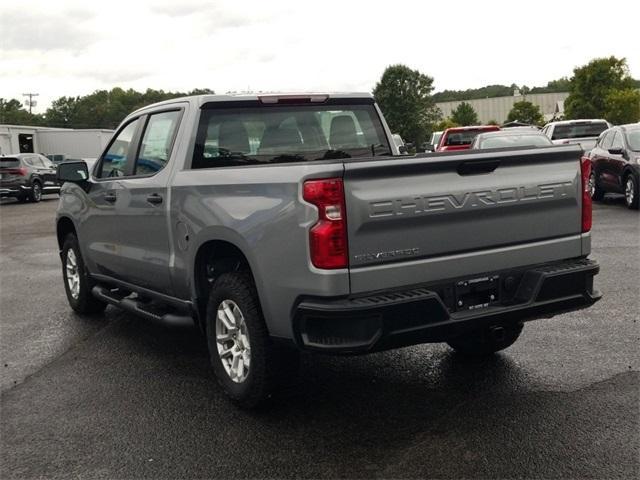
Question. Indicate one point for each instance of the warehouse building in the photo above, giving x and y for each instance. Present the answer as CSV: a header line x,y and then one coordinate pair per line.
x,y
59,142
497,108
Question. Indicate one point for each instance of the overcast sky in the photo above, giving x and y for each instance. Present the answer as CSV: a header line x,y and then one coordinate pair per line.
x,y
67,47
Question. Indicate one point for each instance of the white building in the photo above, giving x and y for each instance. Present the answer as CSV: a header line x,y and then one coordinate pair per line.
x,y
70,143
497,108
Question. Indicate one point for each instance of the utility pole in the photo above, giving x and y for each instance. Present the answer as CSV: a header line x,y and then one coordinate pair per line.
x,y
30,102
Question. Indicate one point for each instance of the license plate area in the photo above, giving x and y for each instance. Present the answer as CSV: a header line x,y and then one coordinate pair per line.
x,y
477,293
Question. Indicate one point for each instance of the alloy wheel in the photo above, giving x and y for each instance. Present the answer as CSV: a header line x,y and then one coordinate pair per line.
x,y
73,276
37,192
629,191
232,341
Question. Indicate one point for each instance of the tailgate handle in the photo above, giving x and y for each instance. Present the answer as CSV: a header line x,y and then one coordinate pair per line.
x,y
476,168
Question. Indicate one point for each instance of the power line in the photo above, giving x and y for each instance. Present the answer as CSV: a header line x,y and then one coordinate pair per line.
x,y
31,103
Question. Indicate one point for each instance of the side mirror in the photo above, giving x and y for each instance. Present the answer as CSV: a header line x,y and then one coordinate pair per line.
x,y
74,172
403,149
616,151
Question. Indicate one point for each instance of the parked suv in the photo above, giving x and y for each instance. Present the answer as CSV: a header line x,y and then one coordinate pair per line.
x,y
27,176
281,223
616,164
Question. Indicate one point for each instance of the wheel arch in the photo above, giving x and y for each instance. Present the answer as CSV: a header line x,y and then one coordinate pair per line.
x,y
213,258
64,226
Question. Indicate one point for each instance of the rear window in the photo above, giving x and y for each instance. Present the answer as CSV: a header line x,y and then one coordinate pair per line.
x,y
9,162
578,130
461,138
276,134
516,141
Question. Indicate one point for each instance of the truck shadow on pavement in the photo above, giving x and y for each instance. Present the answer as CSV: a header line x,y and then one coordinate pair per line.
x,y
138,399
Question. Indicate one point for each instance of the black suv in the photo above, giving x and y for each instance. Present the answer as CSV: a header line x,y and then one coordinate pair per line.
x,y
615,164
27,176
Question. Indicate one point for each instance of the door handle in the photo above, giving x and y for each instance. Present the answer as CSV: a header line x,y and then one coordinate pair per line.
x,y
476,168
154,198
110,197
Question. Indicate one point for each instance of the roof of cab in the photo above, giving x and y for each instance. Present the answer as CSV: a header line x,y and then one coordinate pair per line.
x,y
199,100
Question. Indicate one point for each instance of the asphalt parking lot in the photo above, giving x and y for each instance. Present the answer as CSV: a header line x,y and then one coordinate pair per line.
x,y
119,397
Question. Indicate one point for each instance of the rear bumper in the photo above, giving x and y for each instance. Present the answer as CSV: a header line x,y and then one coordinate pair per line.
x,y
424,314
13,190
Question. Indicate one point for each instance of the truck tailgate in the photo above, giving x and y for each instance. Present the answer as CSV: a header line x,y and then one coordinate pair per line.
x,y
459,205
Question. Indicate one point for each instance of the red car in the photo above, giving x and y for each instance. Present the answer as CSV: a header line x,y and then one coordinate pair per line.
x,y
460,138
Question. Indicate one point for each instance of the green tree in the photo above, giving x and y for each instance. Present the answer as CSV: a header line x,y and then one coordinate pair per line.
x,y
623,106
592,83
404,95
526,112
492,122
464,115
62,112
106,108
13,113
444,124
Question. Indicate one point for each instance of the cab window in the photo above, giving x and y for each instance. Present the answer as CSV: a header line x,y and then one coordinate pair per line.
x,y
157,142
114,161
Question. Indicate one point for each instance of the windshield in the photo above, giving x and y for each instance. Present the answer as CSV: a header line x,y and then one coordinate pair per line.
x,y
464,137
537,140
277,134
633,139
579,130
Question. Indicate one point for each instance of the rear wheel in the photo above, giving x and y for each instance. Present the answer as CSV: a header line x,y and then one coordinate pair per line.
x,y
35,195
631,196
77,283
486,342
246,363
596,192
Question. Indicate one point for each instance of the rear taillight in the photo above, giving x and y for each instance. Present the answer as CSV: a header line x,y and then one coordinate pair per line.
x,y
587,216
22,171
328,237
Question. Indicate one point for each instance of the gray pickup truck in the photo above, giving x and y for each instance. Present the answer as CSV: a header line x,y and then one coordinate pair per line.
x,y
281,223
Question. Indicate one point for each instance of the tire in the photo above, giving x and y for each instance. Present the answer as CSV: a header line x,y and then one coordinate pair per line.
x,y
81,299
35,195
483,343
597,193
631,197
22,198
250,384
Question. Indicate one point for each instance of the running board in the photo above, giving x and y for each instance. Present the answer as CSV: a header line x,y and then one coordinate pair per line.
x,y
135,307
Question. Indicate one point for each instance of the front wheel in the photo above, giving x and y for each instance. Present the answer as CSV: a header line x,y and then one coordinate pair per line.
x,y
486,342
246,363
77,283
631,197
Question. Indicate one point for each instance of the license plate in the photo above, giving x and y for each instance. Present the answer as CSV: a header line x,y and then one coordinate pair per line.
x,y
476,293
